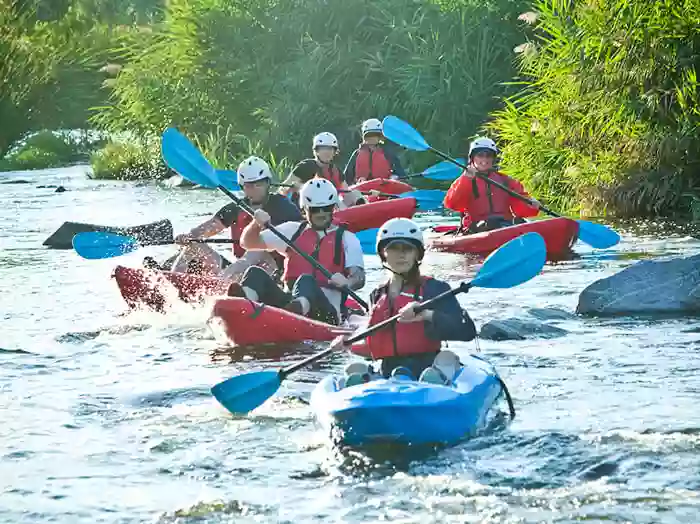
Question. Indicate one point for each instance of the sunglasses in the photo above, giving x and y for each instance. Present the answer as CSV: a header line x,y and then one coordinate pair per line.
x,y
324,209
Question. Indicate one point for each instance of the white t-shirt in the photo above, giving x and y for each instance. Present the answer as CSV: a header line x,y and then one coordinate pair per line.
x,y
351,247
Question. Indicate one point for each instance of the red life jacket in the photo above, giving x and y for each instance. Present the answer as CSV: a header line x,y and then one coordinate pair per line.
x,y
371,164
489,201
327,251
242,220
402,338
331,173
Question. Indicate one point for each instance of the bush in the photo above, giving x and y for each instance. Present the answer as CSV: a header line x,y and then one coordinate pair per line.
x,y
127,160
608,117
45,149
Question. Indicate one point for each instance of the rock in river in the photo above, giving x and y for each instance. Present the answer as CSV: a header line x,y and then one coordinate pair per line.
x,y
669,286
519,329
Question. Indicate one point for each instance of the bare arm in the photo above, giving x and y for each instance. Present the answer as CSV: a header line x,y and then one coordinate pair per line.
x,y
251,239
206,229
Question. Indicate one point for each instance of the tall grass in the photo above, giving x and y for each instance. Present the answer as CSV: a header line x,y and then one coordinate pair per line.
x,y
607,119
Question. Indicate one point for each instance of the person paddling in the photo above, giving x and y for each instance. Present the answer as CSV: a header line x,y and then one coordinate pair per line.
x,y
372,159
254,177
411,346
325,150
482,206
306,291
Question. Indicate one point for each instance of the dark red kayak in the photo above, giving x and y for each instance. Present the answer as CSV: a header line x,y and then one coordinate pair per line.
x,y
374,214
559,235
148,288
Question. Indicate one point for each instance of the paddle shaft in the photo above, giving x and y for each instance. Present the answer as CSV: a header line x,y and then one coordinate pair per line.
x,y
462,288
493,182
291,244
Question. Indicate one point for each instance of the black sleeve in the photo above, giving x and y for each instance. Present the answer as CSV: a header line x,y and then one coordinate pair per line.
x,y
305,170
282,210
450,321
228,214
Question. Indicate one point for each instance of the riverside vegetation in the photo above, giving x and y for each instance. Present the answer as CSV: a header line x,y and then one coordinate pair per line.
x,y
595,103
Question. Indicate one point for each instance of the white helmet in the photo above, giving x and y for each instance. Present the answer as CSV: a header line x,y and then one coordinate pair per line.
x,y
373,125
318,192
325,139
253,169
400,229
483,143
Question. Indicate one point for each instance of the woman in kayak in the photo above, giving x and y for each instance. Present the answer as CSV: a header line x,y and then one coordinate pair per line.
x,y
372,159
483,206
307,291
325,149
254,177
411,345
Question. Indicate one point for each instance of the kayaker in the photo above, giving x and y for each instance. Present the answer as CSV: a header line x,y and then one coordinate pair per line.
x,y
306,291
409,347
484,207
372,159
254,177
325,150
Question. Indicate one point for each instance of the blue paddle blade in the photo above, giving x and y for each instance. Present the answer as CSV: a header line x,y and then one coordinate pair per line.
x,y
228,178
244,393
95,245
182,156
403,134
597,235
428,199
368,240
515,262
444,171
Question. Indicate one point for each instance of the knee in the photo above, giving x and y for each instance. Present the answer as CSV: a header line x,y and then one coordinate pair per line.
x,y
254,277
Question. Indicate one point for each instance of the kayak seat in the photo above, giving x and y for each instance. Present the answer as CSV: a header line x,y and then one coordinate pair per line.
x,y
402,373
447,363
354,373
433,375
355,379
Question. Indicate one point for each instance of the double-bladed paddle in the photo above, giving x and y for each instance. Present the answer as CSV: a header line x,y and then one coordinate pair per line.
x,y
95,245
428,199
442,171
182,156
512,264
396,130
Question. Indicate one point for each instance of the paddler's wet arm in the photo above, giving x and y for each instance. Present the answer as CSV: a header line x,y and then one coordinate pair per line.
x,y
211,227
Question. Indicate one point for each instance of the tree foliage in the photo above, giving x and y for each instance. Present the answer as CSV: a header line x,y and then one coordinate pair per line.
x,y
275,73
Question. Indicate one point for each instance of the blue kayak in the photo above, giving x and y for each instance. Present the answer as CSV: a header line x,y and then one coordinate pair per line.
x,y
405,411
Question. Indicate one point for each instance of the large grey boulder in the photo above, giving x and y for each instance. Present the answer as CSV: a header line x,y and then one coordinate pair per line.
x,y
653,286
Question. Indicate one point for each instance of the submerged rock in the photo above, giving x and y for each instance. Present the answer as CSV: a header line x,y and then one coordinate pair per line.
x,y
519,329
653,286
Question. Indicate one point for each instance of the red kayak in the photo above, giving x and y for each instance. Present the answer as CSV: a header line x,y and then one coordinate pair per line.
x,y
153,289
246,323
385,185
374,214
559,235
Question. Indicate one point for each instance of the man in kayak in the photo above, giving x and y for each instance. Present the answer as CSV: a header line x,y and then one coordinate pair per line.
x,y
254,177
372,159
412,345
483,206
325,149
307,291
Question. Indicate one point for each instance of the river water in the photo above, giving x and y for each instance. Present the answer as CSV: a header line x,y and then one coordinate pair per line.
x,y
107,417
